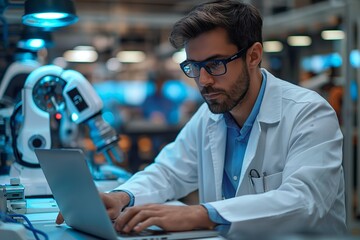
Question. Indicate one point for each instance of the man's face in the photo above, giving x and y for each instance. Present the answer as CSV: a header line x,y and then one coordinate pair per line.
x,y
221,93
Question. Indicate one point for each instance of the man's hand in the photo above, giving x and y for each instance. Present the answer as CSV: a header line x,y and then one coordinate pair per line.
x,y
114,203
168,217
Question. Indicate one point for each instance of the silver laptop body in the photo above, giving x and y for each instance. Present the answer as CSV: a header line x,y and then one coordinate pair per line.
x,y
78,199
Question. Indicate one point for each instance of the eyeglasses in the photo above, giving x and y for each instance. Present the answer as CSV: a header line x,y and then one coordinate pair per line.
x,y
215,67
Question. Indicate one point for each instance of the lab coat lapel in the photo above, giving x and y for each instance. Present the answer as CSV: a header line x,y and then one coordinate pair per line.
x,y
251,150
217,138
270,113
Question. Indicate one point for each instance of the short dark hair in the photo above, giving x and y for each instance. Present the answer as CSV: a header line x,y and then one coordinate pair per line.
x,y
242,22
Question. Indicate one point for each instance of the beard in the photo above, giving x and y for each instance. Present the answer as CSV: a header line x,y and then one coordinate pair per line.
x,y
229,99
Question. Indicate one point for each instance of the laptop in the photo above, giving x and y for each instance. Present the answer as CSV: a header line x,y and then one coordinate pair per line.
x,y
74,190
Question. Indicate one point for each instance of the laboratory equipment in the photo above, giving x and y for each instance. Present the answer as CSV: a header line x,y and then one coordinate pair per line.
x,y
49,90
12,197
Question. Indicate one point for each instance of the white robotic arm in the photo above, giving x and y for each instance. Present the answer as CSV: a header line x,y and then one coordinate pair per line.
x,y
85,106
50,89
81,99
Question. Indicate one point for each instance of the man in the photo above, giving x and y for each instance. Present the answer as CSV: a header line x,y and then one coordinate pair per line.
x,y
265,155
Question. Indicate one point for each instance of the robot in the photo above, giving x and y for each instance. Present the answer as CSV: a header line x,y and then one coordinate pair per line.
x,y
50,89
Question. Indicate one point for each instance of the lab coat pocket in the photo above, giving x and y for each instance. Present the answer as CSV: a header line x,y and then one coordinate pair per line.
x,y
266,183
272,181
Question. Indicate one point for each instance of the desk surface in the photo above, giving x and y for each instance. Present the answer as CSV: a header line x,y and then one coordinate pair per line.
x,y
42,215
45,222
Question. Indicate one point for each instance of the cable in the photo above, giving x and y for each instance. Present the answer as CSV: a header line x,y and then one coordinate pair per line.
x,y
10,219
29,227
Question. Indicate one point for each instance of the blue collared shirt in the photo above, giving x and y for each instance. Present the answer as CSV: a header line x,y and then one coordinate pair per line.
x,y
236,143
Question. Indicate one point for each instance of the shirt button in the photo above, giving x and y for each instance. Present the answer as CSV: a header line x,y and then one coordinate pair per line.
x,y
235,178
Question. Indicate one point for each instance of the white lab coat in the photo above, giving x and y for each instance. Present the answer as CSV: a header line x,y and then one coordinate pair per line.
x,y
296,141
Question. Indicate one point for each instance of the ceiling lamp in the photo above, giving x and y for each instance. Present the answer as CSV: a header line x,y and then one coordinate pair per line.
x,y
273,46
333,34
49,13
299,41
81,54
131,56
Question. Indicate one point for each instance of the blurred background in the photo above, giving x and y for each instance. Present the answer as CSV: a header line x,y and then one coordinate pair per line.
x,y
122,48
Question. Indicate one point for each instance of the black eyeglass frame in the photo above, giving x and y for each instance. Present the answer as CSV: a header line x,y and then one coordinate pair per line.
x,y
202,64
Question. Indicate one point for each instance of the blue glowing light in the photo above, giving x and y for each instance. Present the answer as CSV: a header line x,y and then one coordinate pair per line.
x,y
175,90
335,60
50,15
74,117
355,58
353,90
134,93
35,43
319,63
49,19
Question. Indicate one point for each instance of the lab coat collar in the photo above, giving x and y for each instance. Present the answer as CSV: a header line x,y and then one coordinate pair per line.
x,y
270,109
